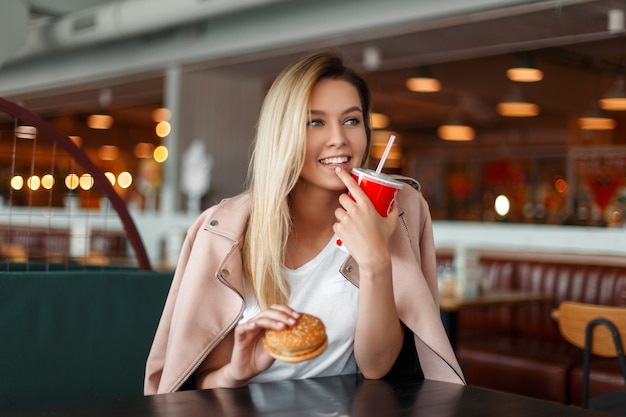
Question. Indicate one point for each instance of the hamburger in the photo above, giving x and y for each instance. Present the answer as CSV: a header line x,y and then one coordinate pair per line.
x,y
305,340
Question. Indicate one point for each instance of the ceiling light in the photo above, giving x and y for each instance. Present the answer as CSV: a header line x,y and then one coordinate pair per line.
x,y
163,128
47,181
26,132
517,109
161,114
516,105
33,182
125,179
110,176
616,98
596,123
108,152
423,81
596,119
143,150
17,182
71,181
380,138
456,132
394,157
100,121
379,121
160,153
86,182
525,70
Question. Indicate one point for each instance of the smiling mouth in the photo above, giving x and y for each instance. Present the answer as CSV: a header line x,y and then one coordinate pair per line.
x,y
334,160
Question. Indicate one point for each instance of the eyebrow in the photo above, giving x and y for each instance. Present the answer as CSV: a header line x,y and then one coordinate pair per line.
x,y
348,110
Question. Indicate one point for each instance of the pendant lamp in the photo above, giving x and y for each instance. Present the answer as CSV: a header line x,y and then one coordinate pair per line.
x,y
455,130
524,71
423,81
615,99
101,120
596,119
517,105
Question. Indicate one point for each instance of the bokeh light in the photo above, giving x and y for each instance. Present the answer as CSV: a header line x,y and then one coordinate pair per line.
x,y
17,182
502,205
125,179
47,181
560,185
33,182
160,153
110,176
163,129
72,181
86,181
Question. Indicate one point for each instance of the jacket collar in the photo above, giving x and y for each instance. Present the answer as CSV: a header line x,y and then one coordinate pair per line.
x,y
230,217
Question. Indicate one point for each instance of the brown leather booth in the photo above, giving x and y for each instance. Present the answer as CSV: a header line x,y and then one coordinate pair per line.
x,y
519,348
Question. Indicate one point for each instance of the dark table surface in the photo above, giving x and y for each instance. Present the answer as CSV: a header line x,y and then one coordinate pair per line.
x,y
343,396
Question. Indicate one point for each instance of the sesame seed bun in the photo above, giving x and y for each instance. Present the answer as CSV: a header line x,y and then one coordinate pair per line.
x,y
303,341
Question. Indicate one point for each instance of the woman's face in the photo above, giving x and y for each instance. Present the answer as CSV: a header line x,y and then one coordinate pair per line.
x,y
335,134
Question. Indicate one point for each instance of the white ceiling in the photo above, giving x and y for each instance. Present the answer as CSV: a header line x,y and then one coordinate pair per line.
x,y
60,7
569,40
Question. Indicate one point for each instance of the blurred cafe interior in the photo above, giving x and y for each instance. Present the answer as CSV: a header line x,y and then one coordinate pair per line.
x,y
510,113
499,107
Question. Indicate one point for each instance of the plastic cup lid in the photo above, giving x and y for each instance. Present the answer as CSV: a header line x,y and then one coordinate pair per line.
x,y
380,178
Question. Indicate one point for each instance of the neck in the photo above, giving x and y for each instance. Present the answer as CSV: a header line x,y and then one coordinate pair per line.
x,y
313,208
312,217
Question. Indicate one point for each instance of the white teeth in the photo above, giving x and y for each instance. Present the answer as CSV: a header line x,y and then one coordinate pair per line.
x,y
336,160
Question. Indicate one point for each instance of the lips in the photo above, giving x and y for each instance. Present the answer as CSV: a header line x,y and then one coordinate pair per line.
x,y
335,160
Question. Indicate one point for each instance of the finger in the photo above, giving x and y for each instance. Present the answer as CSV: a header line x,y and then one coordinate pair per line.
x,y
247,331
276,317
246,327
348,180
285,309
340,213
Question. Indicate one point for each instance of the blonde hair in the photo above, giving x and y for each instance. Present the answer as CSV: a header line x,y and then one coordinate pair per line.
x,y
277,160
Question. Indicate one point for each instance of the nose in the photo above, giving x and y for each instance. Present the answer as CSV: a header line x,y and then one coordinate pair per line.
x,y
337,135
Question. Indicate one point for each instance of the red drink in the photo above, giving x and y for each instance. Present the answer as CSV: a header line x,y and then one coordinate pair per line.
x,y
380,188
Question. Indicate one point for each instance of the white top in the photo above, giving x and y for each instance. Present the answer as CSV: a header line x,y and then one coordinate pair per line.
x,y
319,289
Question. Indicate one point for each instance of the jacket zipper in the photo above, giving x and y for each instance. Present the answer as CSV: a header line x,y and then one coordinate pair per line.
x,y
405,228
221,278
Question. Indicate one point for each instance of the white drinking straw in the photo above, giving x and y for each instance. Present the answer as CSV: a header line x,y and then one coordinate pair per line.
x,y
384,157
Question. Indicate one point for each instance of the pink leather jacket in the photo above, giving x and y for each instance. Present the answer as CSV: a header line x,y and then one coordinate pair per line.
x,y
205,300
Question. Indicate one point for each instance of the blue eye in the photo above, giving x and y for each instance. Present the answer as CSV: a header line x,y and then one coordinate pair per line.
x,y
352,121
314,123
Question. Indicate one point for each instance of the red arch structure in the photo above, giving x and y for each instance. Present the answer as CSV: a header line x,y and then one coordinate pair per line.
x,y
86,163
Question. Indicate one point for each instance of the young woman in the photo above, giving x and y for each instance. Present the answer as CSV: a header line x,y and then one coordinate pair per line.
x,y
257,260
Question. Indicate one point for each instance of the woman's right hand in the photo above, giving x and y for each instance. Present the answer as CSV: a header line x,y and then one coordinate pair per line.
x,y
249,357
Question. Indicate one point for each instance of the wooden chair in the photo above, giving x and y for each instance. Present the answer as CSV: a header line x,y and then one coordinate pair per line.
x,y
600,330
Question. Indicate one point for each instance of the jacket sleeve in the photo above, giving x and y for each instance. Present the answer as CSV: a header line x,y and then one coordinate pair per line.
x,y
417,293
158,351
427,250
419,222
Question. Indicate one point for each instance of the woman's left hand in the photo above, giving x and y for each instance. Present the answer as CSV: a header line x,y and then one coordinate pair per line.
x,y
363,231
